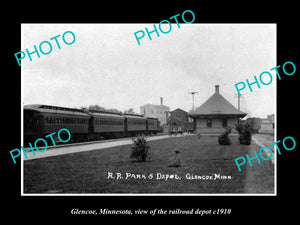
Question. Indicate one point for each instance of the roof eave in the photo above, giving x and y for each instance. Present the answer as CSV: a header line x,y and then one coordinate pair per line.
x,y
217,115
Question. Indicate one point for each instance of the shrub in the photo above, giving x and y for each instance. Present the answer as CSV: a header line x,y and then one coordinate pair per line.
x,y
139,148
223,138
244,131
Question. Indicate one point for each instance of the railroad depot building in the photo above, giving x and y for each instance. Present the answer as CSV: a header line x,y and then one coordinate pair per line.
x,y
215,114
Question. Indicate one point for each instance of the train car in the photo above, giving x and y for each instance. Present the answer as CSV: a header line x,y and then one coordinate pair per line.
x,y
41,120
152,125
255,124
106,124
135,124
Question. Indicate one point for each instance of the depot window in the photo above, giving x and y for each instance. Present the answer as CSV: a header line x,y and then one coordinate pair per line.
x,y
224,122
208,123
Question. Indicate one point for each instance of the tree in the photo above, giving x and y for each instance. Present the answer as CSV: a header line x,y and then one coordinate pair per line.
x,y
96,107
100,108
130,111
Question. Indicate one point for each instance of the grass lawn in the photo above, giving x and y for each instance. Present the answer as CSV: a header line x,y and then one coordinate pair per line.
x,y
87,172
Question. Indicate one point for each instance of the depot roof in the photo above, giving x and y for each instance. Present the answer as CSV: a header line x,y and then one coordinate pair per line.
x,y
217,105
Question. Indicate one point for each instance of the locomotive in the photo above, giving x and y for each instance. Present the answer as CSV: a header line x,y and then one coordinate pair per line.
x,y
84,125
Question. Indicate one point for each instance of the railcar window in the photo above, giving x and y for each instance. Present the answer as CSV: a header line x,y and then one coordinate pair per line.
x,y
137,122
109,122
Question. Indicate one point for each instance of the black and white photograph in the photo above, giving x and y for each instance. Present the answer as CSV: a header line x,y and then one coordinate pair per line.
x,y
172,108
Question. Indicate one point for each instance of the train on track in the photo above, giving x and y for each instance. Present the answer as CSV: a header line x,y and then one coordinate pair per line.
x,y
84,125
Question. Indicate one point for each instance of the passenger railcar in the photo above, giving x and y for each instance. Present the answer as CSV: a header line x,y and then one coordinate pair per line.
x,y
41,120
135,124
106,124
152,125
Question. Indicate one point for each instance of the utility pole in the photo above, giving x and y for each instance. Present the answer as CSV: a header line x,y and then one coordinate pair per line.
x,y
193,93
238,96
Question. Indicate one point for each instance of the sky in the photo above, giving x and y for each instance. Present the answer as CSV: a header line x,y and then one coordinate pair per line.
x,y
106,66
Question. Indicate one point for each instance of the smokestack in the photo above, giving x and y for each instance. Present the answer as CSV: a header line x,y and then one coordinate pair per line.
x,y
217,88
161,101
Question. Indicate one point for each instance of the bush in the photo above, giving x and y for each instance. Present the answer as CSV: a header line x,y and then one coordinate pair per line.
x,y
139,148
244,131
223,138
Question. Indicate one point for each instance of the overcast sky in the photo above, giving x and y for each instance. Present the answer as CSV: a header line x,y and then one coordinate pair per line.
x,y
106,66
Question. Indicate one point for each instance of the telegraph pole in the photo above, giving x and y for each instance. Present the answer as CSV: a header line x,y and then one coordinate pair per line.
x,y
193,93
238,96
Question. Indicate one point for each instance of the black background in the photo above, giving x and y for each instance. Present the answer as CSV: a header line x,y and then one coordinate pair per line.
x,y
243,208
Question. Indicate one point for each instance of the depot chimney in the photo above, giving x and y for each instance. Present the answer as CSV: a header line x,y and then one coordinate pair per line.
x,y
161,101
217,88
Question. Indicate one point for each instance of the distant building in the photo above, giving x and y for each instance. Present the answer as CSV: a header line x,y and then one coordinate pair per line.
x,y
267,124
271,118
156,111
215,114
178,120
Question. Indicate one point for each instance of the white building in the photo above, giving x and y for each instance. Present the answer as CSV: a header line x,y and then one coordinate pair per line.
x,y
156,111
